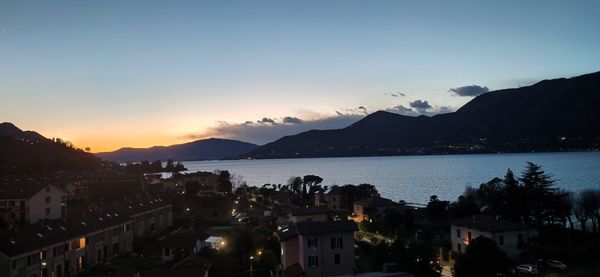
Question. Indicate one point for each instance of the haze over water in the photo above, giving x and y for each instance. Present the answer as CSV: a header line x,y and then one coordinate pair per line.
x,y
415,178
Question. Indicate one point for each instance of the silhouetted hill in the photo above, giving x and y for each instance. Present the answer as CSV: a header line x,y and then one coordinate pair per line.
x,y
27,152
207,149
8,129
552,115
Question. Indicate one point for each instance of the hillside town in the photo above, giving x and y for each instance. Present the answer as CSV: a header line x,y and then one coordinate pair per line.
x,y
114,222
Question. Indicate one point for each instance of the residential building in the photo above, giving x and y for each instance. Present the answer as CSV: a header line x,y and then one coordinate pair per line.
x,y
332,198
318,248
371,208
508,235
69,246
315,213
180,244
27,201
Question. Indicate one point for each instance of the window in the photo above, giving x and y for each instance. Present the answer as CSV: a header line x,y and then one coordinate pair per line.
x,y
99,255
501,240
80,262
313,261
48,189
42,255
48,200
336,258
337,242
457,233
167,252
47,211
312,242
22,203
459,247
14,264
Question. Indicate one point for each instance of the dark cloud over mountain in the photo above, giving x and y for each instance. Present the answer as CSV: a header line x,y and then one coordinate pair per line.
x,y
272,129
420,104
292,120
469,91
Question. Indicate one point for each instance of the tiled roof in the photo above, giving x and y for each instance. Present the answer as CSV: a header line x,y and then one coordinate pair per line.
x,y
317,228
489,223
23,239
24,187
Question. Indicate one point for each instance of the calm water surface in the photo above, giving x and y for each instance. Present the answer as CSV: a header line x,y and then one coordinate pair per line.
x,y
415,178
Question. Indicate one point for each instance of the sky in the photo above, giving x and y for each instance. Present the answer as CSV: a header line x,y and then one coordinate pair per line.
x,y
108,74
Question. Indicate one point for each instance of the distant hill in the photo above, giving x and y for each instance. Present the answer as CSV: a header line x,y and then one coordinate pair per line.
x,y
207,149
27,152
552,115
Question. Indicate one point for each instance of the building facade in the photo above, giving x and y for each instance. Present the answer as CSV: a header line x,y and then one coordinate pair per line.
x,y
25,203
57,248
312,248
509,236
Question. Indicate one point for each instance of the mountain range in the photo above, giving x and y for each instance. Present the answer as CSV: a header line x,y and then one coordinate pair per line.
x,y
206,149
552,115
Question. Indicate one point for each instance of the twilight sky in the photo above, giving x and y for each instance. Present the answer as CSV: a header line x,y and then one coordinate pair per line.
x,y
107,74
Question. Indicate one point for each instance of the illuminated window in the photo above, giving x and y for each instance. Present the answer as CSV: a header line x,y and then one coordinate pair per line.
x,y
81,243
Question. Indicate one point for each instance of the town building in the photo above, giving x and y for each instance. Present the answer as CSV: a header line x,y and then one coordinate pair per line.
x,y
315,213
180,244
318,248
71,245
27,201
371,208
508,235
332,198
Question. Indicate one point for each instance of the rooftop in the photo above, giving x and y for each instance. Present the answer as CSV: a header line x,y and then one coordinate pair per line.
x,y
317,228
489,223
22,239
310,210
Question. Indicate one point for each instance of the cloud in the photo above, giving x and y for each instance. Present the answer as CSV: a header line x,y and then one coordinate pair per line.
x,y
420,105
413,111
261,133
292,120
266,120
363,109
396,94
469,91
400,109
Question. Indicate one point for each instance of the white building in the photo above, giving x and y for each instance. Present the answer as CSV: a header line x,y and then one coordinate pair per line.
x,y
507,235
28,202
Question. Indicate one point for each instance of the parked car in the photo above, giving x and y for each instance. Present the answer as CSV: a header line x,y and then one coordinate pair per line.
x,y
527,269
554,264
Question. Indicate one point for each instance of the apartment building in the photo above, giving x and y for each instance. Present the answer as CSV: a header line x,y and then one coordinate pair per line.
x,y
69,246
28,201
313,248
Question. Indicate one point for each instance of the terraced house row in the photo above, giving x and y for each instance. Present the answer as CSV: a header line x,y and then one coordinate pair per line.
x,y
68,246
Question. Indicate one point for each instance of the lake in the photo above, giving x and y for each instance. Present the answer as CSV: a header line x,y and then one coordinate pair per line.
x,y
415,178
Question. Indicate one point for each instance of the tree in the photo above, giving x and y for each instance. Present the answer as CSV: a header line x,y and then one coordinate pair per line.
x,y
482,258
588,208
224,182
437,210
295,184
537,187
169,167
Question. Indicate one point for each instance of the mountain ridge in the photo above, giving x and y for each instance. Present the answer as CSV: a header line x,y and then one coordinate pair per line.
x,y
551,115
205,149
